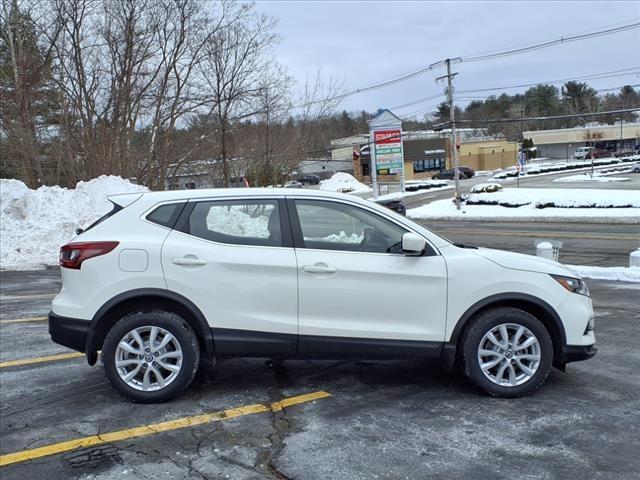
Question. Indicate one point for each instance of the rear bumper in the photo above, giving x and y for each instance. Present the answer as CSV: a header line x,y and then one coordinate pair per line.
x,y
576,353
69,332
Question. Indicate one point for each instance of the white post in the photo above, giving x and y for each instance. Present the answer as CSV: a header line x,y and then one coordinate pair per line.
x,y
545,250
634,258
372,165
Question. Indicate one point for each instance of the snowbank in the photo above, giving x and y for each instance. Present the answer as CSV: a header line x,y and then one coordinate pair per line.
x,y
619,274
541,204
35,223
586,177
343,183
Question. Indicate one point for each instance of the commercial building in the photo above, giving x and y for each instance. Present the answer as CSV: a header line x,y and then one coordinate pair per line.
x,y
562,143
426,152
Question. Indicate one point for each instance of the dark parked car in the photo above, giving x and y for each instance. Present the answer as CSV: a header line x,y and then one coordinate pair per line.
x,y
599,153
465,172
395,205
310,179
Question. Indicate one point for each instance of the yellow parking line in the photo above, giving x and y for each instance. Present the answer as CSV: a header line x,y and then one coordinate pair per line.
x,y
48,358
27,297
153,428
21,320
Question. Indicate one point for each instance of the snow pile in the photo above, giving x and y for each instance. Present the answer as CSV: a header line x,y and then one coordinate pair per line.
x,y
344,183
558,198
619,274
486,187
415,185
240,221
35,223
555,167
342,237
586,177
548,204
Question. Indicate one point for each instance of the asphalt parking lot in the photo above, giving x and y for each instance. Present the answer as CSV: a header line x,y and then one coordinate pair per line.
x,y
347,420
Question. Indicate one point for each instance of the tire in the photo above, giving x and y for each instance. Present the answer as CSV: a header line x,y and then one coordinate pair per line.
x,y
511,381
636,170
180,355
435,177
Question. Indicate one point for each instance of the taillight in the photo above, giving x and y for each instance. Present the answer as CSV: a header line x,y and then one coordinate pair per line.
x,y
73,254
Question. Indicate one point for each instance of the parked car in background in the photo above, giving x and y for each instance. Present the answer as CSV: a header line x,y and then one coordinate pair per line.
x,y
293,184
310,179
396,205
635,168
169,278
464,172
582,152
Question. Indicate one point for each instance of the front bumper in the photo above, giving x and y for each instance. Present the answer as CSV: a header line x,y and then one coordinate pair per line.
x,y
576,353
69,332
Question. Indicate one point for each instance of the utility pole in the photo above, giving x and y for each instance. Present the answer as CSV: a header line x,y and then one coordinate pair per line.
x,y
452,116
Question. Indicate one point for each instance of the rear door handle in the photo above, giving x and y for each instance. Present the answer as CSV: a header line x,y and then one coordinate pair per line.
x,y
319,268
188,260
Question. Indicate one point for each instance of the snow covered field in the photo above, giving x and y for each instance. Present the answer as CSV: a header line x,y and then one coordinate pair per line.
x,y
35,223
586,177
547,204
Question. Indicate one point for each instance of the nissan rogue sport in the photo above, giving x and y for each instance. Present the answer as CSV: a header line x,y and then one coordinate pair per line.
x,y
169,279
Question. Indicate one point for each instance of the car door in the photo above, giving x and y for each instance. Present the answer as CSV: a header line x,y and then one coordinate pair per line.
x,y
235,260
358,293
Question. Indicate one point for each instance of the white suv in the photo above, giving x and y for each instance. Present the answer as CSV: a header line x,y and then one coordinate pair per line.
x,y
169,279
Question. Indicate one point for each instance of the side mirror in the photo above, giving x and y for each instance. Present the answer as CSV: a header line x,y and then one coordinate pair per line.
x,y
413,244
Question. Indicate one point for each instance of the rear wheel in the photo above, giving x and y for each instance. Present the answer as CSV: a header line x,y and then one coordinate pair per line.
x,y
507,352
151,357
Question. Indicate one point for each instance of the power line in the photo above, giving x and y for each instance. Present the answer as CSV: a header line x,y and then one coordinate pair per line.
x,y
542,118
557,41
433,66
595,76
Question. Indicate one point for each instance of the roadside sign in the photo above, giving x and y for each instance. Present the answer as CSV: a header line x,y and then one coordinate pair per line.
x,y
388,151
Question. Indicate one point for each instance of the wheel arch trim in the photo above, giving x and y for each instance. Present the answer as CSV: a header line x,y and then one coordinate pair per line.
x,y
202,326
511,299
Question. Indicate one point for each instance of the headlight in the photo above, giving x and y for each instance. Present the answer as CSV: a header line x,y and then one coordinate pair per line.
x,y
574,285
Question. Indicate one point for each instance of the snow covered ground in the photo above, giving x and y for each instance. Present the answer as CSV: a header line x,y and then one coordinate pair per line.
x,y
35,223
620,274
543,204
344,183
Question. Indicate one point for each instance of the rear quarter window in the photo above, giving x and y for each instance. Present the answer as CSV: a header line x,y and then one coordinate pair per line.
x,y
166,215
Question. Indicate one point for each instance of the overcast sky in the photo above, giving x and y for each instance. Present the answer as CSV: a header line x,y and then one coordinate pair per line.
x,y
365,42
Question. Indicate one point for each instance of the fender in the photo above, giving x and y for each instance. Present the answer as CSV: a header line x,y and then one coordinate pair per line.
x,y
450,348
204,331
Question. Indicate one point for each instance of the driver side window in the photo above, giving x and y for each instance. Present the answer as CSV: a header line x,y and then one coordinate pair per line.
x,y
336,226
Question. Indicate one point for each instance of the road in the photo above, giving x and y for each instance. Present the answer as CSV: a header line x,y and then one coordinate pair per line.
x,y
583,244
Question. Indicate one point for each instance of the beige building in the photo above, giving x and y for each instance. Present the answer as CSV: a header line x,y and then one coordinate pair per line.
x,y
428,152
562,143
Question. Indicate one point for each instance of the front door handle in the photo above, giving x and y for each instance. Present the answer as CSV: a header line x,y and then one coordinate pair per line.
x,y
319,268
189,261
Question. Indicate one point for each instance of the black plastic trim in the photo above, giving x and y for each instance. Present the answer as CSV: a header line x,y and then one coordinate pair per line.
x,y
68,332
577,353
347,347
509,296
247,343
204,330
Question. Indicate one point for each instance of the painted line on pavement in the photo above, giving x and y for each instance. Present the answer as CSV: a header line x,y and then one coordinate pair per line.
x,y
34,360
21,320
26,297
154,428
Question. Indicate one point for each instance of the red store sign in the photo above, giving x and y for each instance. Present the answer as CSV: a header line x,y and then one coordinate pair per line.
x,y
382,137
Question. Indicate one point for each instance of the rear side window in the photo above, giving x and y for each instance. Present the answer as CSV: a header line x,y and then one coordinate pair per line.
x,y
166,215
237,222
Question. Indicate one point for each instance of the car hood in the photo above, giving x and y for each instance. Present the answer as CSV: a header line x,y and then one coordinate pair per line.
x,y
529,263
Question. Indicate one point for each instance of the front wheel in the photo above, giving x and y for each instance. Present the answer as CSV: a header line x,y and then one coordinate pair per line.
x,y
507,352
150,357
